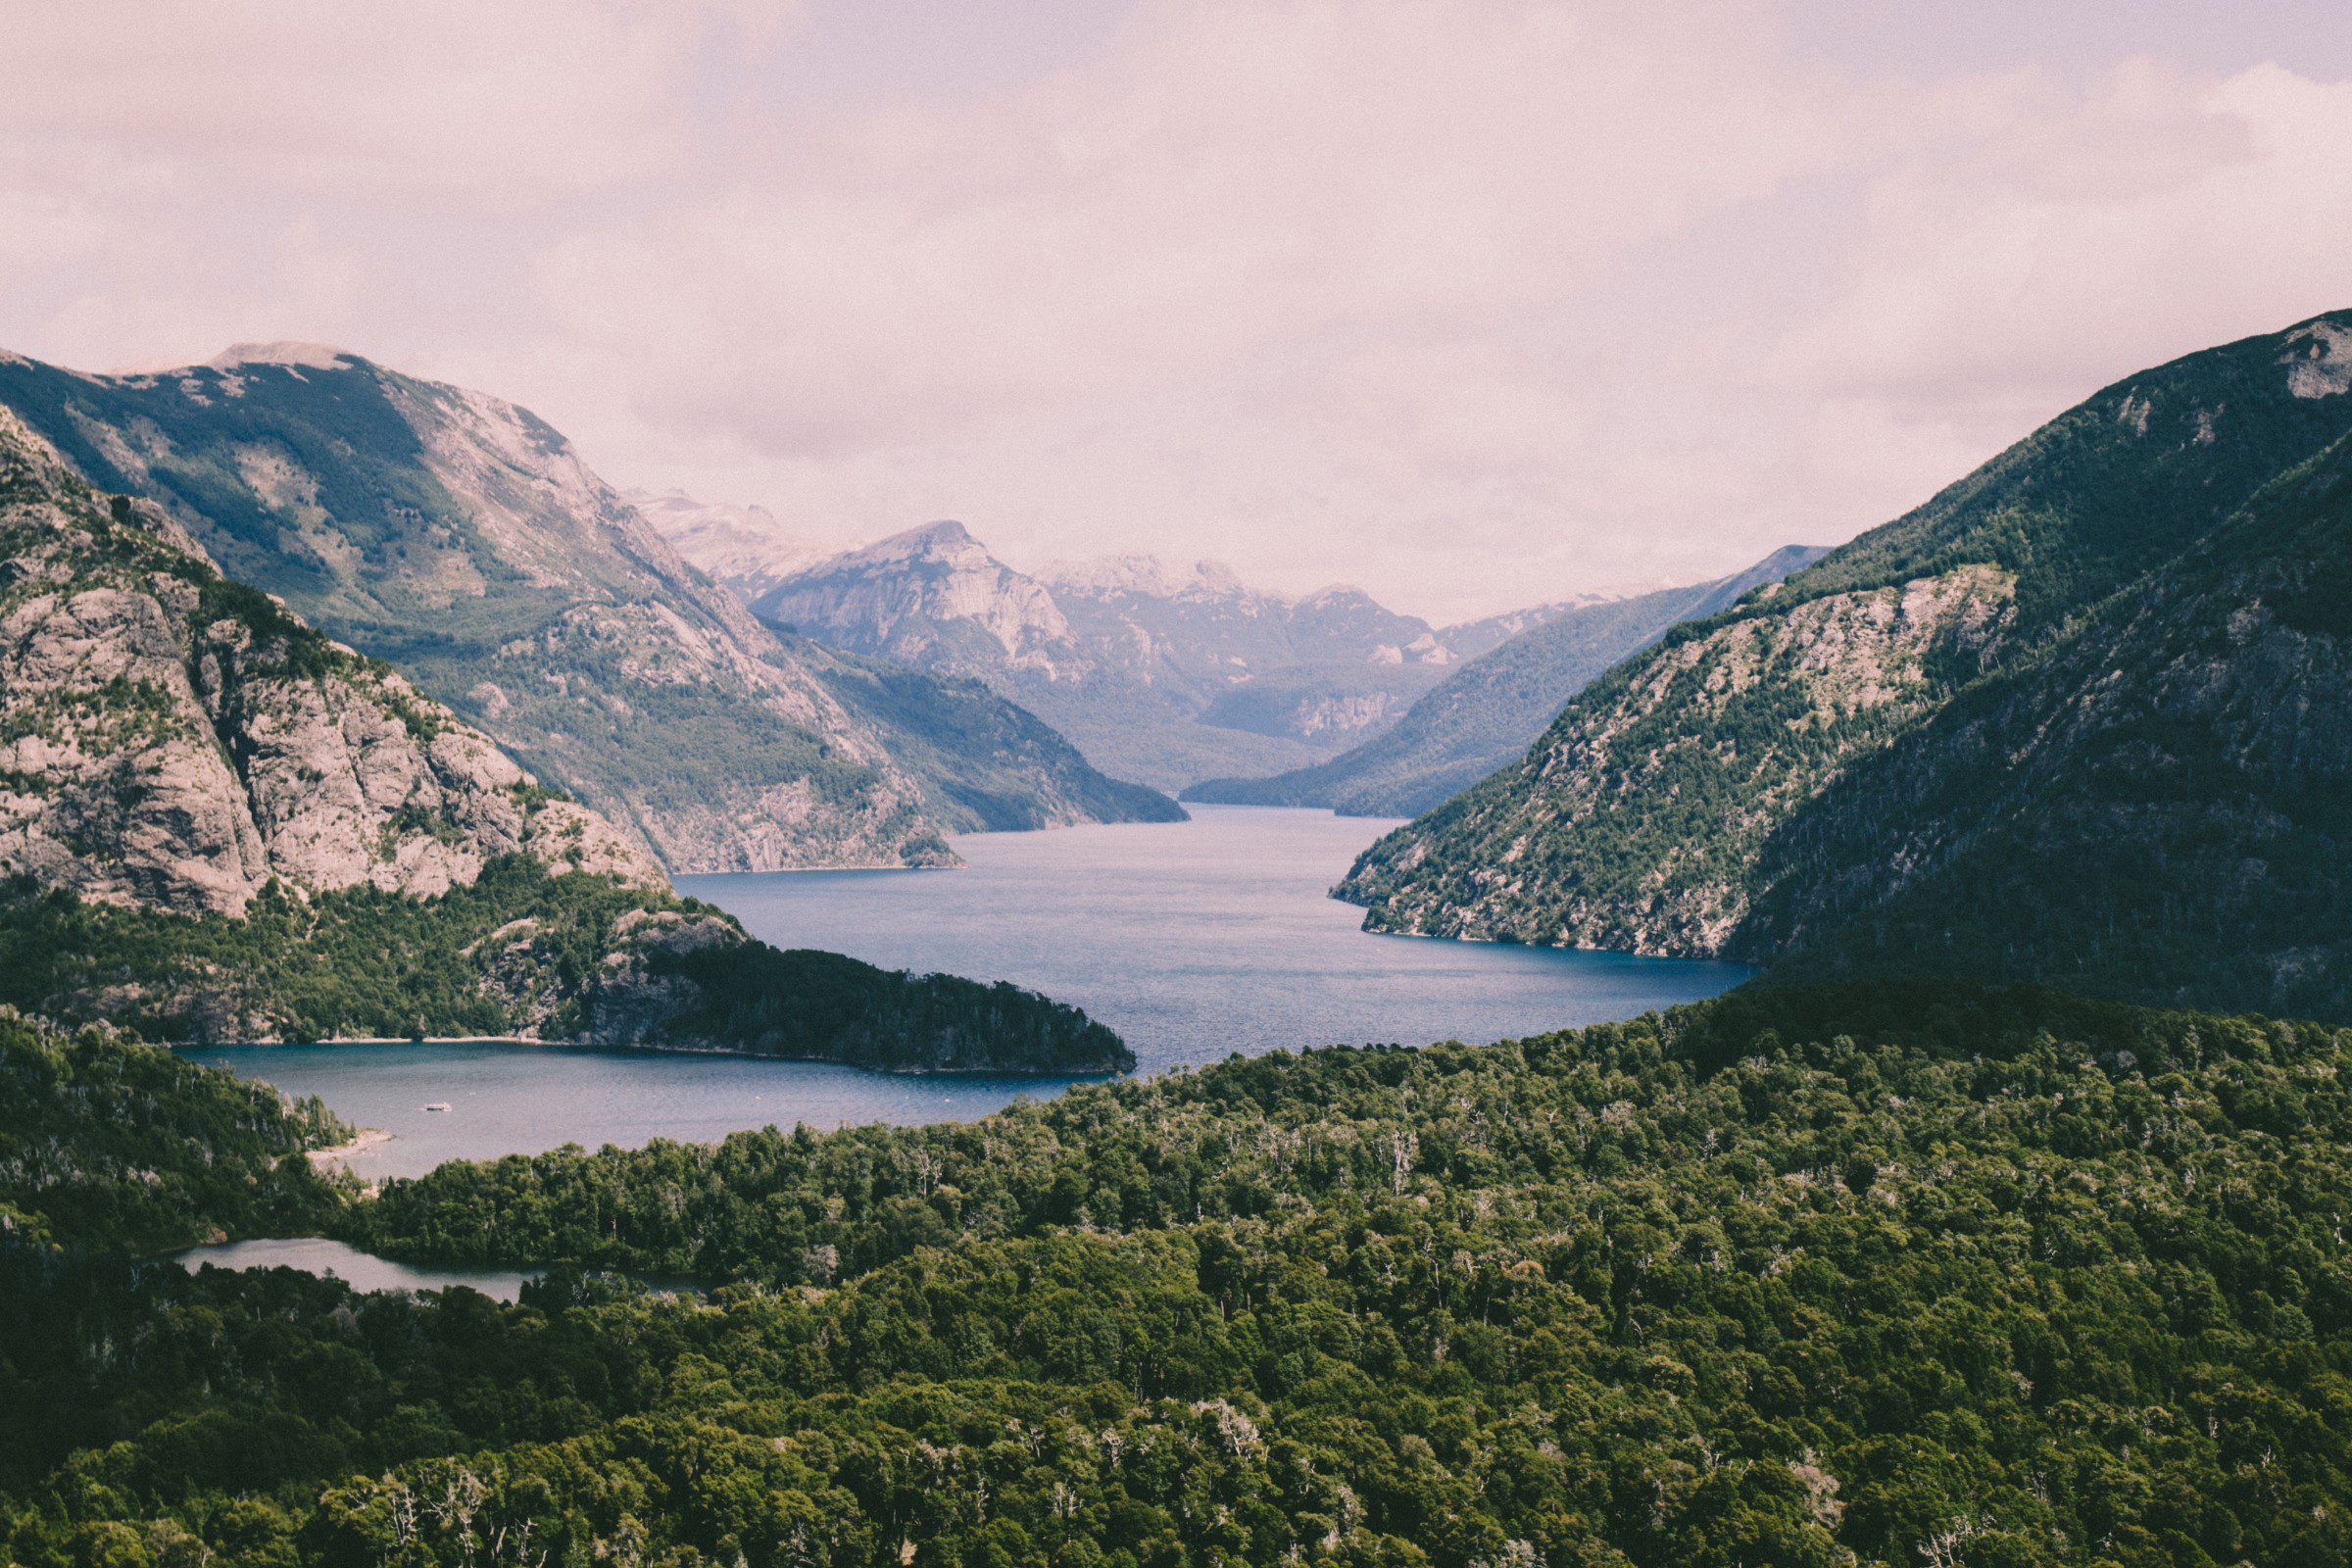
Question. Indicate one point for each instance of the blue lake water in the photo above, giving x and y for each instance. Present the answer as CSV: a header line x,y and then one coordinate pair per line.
x,y
362,1271
1193,941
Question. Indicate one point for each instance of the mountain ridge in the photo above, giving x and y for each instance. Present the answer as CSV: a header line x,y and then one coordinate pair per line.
x,y
1491,709
1669,808
215,823
1155,670
465,540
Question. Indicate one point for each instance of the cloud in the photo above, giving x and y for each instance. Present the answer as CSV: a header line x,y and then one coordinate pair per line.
x,y
1475,304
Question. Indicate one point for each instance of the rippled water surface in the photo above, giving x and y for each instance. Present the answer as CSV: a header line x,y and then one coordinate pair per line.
x,y
1192,939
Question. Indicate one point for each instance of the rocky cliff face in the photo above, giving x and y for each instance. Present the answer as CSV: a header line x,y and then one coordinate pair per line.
x,y
462,539
178,741
1833,752
214,823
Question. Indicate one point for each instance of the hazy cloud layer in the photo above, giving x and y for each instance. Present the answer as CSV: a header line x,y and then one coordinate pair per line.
x,y
1473,304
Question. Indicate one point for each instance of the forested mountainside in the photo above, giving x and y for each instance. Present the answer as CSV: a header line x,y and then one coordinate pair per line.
x,y
462,539
214,823
1485,715
1866,1277
110,1144
1722,793
1155,672
2160,805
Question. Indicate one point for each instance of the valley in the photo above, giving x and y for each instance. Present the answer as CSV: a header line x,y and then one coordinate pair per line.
x,y
1842,1065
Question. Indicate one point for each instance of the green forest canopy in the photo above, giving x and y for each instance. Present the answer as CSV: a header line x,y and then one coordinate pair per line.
x,y
1896,1274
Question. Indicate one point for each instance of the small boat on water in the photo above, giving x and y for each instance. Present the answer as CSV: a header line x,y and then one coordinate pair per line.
x,y
438,1104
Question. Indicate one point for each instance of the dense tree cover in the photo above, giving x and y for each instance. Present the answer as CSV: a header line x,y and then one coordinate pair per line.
x,y
361,962
2159,807
1906,1275
108,1143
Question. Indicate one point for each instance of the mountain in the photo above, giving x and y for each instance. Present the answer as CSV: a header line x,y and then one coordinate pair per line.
x,y
215,823
2077,715
1485,715
2159,806
743,549
984,764
1155,672
464,540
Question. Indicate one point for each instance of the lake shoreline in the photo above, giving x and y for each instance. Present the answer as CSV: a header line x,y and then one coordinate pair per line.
x,y
735,1053
360,1142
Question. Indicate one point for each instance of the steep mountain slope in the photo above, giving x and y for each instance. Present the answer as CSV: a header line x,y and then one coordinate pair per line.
x,y
2160,806
1485,715
1642,818
214,823
462,539
1155,672
984,764
1475,639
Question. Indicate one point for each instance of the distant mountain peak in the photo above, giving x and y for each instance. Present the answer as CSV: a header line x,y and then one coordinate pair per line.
x,y
1139,573
945,532
288,352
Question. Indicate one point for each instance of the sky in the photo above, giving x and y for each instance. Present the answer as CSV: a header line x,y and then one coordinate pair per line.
x,y
1474,303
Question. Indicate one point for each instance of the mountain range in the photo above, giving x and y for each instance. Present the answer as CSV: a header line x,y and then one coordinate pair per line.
x,y
218,825
2083,717
1159,671
462,539
1484,715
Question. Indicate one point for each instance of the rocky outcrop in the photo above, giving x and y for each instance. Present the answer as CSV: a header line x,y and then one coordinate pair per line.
x,y
464,540
175,741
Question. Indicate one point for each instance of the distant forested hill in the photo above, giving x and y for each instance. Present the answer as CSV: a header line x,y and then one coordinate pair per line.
x,y
1486,714
2081,716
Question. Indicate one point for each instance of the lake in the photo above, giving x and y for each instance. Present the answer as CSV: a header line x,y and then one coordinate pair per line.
x,y
362,1271
1193,940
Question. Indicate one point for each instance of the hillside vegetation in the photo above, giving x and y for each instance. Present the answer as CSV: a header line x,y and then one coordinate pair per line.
x,y
2079,717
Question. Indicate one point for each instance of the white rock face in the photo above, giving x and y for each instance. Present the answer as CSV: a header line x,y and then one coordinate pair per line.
x,y
176,744
2319,361
932,596
745,550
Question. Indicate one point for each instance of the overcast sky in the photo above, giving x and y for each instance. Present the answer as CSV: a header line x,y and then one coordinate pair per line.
x,y
1471,304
